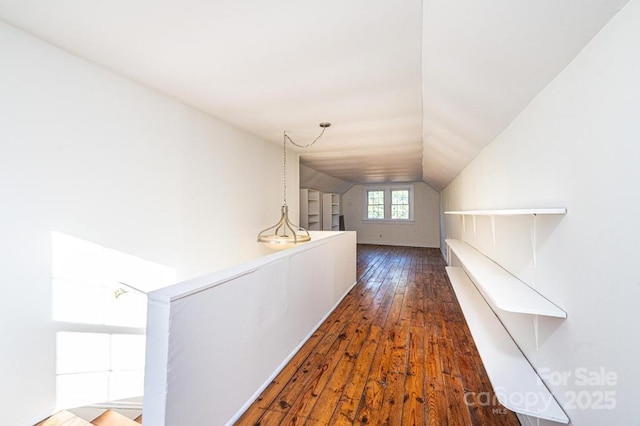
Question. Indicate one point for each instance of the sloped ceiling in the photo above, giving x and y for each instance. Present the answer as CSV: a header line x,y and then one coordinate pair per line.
x,y
414,89
483,62
311,178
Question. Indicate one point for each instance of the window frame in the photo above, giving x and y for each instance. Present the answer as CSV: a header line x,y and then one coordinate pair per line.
x,y
387,189
367,205
108,267
408,203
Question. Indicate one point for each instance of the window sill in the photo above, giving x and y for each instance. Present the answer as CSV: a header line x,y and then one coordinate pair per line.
x,y
389,221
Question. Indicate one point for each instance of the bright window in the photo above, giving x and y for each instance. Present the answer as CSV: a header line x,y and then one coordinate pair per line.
x,y
375,204
99,307
392,202
98,367
400,204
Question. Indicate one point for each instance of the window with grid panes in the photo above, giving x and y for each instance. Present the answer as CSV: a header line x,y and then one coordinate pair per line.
x,y
400,204
375,204
388,203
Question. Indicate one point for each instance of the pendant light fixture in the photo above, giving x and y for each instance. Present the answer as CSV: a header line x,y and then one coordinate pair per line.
x,y
285,234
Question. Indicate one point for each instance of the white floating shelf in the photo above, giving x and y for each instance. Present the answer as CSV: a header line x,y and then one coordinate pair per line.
x,y
508,212
517,386
504,290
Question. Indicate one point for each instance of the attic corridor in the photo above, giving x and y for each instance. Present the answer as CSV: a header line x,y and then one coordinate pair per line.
x,y
396,351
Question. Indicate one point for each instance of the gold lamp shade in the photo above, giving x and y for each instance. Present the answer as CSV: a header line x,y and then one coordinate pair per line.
x,y
283,234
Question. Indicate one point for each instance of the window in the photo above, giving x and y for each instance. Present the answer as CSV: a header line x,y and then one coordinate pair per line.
x,y
99,308
391,202
400,204
375,204
98,367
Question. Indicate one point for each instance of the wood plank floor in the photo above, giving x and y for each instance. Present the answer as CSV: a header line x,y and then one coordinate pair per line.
x,y
396,351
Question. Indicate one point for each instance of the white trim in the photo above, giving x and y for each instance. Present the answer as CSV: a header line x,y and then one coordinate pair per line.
x,y
391,221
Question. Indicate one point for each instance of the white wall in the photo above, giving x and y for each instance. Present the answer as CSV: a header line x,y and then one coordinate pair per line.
x,y
575,146
422,232
91,154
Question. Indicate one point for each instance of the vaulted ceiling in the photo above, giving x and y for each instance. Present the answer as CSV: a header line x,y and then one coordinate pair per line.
x,y
414,89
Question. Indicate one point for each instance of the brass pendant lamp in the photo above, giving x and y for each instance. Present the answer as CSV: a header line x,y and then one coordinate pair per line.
x,y
285,233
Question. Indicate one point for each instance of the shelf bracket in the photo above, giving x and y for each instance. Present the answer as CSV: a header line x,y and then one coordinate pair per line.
x,y
536,329
493,230
464,224
474,226
534,240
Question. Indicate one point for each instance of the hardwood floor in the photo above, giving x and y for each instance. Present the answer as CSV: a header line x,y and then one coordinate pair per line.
x,y
396,351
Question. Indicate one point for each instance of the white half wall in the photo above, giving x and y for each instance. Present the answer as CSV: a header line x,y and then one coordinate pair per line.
x,y
215,342
574,146
423,231
88,153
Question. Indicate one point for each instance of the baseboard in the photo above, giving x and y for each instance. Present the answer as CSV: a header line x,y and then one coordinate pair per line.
x,y
382,243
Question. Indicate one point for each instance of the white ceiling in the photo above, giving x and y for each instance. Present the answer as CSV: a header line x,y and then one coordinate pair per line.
x,y
483,62
414,91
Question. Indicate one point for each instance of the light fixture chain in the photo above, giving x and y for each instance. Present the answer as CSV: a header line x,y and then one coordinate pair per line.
x,y
310,143
284,156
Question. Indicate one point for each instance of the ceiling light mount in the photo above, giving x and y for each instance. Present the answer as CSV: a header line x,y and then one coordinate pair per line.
x,y
284,233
